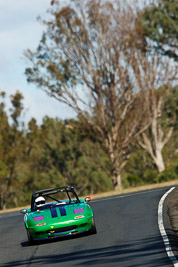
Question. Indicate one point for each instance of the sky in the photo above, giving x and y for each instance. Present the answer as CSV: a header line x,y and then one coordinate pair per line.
x,y
19,31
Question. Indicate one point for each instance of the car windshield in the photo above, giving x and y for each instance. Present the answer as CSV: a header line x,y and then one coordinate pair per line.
x,y
61,196
57,198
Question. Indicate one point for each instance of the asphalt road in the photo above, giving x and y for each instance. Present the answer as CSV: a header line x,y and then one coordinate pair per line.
x,y
128,236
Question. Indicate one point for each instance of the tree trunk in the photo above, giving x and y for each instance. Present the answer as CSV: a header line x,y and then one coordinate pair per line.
x,y
4,206
154,152
116,175
117,181
159,161
3,197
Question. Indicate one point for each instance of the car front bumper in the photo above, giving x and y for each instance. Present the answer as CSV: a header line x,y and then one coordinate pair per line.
x,y
60,230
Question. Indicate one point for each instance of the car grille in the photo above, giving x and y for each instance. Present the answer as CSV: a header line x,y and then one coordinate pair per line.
x,y
62,229
39,233
83,225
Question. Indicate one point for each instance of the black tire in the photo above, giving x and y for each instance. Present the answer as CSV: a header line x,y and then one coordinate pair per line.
x,y
93,230
30,239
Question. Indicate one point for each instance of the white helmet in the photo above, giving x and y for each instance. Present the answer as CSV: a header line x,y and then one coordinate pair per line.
x,y
39,201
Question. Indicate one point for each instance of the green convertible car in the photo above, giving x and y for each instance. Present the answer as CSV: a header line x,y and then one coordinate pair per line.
x,y
57,212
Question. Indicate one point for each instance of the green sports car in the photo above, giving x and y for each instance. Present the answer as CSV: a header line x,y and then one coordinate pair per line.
x,y
57,212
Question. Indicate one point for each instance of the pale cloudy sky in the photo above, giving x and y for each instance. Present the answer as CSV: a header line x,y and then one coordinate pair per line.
x,y
20,30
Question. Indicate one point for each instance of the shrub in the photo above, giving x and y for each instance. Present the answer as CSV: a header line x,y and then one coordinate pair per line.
x,y
168,174
134,180
150,176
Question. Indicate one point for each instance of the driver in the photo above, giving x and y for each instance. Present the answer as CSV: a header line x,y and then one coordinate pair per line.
x,y
39,201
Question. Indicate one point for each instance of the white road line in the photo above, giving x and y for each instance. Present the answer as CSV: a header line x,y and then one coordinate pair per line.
x,y
162,229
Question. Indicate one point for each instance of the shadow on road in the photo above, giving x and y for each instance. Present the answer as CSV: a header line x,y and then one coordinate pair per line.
x,y
146,252
53,240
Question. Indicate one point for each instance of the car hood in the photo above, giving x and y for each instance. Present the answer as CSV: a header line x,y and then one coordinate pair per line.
x,y
60,213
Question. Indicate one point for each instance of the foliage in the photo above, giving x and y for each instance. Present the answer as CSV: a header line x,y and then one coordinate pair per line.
x,y
134,180
58,153
89,58
160,24
140,170
11,147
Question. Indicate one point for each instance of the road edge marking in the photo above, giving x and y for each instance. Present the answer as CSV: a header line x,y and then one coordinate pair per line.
x,y
163,231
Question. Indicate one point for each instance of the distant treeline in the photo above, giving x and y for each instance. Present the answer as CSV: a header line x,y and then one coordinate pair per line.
x,y
58,153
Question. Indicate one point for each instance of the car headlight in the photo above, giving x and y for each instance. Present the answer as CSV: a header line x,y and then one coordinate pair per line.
x,y
79,217
39,224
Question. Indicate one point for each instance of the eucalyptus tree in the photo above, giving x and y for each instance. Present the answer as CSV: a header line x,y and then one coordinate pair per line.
x,y
160,24
91,58
163,117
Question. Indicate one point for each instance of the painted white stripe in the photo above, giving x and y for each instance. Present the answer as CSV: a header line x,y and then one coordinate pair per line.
x,y
162,229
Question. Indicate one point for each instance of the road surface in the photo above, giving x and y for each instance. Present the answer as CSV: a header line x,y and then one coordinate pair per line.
x,y
128,236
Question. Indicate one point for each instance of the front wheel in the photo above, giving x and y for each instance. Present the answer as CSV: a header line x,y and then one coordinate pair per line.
x,y
30,239
93,230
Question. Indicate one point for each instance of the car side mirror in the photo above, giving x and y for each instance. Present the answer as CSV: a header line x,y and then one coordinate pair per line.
x,y
23,211
87,199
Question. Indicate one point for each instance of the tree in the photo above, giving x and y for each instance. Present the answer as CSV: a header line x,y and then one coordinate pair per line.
x,y
11,147
160,24
3,129
61,153
71,152
162,116
89,58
